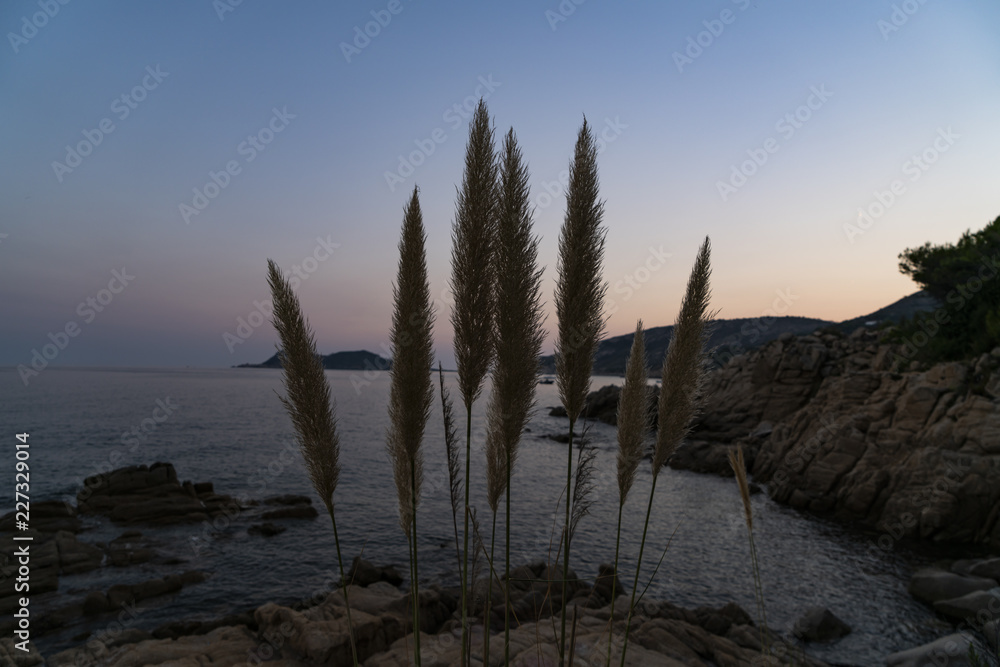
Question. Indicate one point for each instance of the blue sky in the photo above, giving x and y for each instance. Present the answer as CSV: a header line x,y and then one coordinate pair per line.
x,y
770,126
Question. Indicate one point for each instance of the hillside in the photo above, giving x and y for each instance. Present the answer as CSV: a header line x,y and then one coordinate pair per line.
x,y
905,308
358,360
730,338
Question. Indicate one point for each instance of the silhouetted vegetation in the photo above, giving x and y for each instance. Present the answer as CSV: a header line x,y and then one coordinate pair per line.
x,y
962,277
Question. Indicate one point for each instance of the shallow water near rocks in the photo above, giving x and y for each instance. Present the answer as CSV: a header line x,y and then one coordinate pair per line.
x,y
229,428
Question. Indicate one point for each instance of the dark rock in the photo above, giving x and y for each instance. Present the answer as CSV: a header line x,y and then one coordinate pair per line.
x,y
989,568
47,516
75,556
949,651
122,594
124,550
818,624
606,580
192,577
265,529
95,603
978,606
176,629
364,573
288,499
930,585
148,494
291,512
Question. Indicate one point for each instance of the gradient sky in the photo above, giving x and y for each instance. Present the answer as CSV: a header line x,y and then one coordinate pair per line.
x,y
893,77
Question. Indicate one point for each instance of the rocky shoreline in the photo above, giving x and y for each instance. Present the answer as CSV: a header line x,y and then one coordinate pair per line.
x,y
830,426
314,631
849,427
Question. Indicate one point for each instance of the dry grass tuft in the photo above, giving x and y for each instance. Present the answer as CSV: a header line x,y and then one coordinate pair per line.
x,y
308,402
580,288
518,332
472,259
633,415
683,366
411,392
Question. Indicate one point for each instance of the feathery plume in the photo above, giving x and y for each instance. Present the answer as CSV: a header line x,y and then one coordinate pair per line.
x,y
518,337
579,297
683,367
309,405
633,425
472,259
683,371
518,327
411,392
472,267
580,288
633,415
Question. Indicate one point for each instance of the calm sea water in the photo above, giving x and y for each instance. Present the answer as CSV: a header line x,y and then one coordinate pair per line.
x,y
229,428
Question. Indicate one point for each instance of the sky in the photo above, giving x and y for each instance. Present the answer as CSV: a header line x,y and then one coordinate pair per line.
x,y
156,154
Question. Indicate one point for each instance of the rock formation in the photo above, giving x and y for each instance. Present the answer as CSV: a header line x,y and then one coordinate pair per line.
x,y
849,426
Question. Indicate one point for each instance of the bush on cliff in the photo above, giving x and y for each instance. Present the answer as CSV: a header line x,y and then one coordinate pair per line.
x,y
965,278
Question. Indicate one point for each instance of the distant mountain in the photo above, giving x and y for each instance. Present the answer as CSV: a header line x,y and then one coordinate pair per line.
x,y
907,307
732,337
729,338
359,360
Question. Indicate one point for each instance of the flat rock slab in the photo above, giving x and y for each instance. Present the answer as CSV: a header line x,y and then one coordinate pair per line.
x,y
930,585
949,651
979,605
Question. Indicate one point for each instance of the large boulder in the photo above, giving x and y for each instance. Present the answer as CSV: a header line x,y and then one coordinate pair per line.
x,y
47,516
818,624
949,651
930,585
152,495
851,432
363,573
224,646
978,606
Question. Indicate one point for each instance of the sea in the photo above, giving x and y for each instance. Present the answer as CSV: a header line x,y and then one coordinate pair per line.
x,y
228,427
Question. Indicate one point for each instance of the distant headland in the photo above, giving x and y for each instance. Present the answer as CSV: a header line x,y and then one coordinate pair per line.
x,y
358,360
